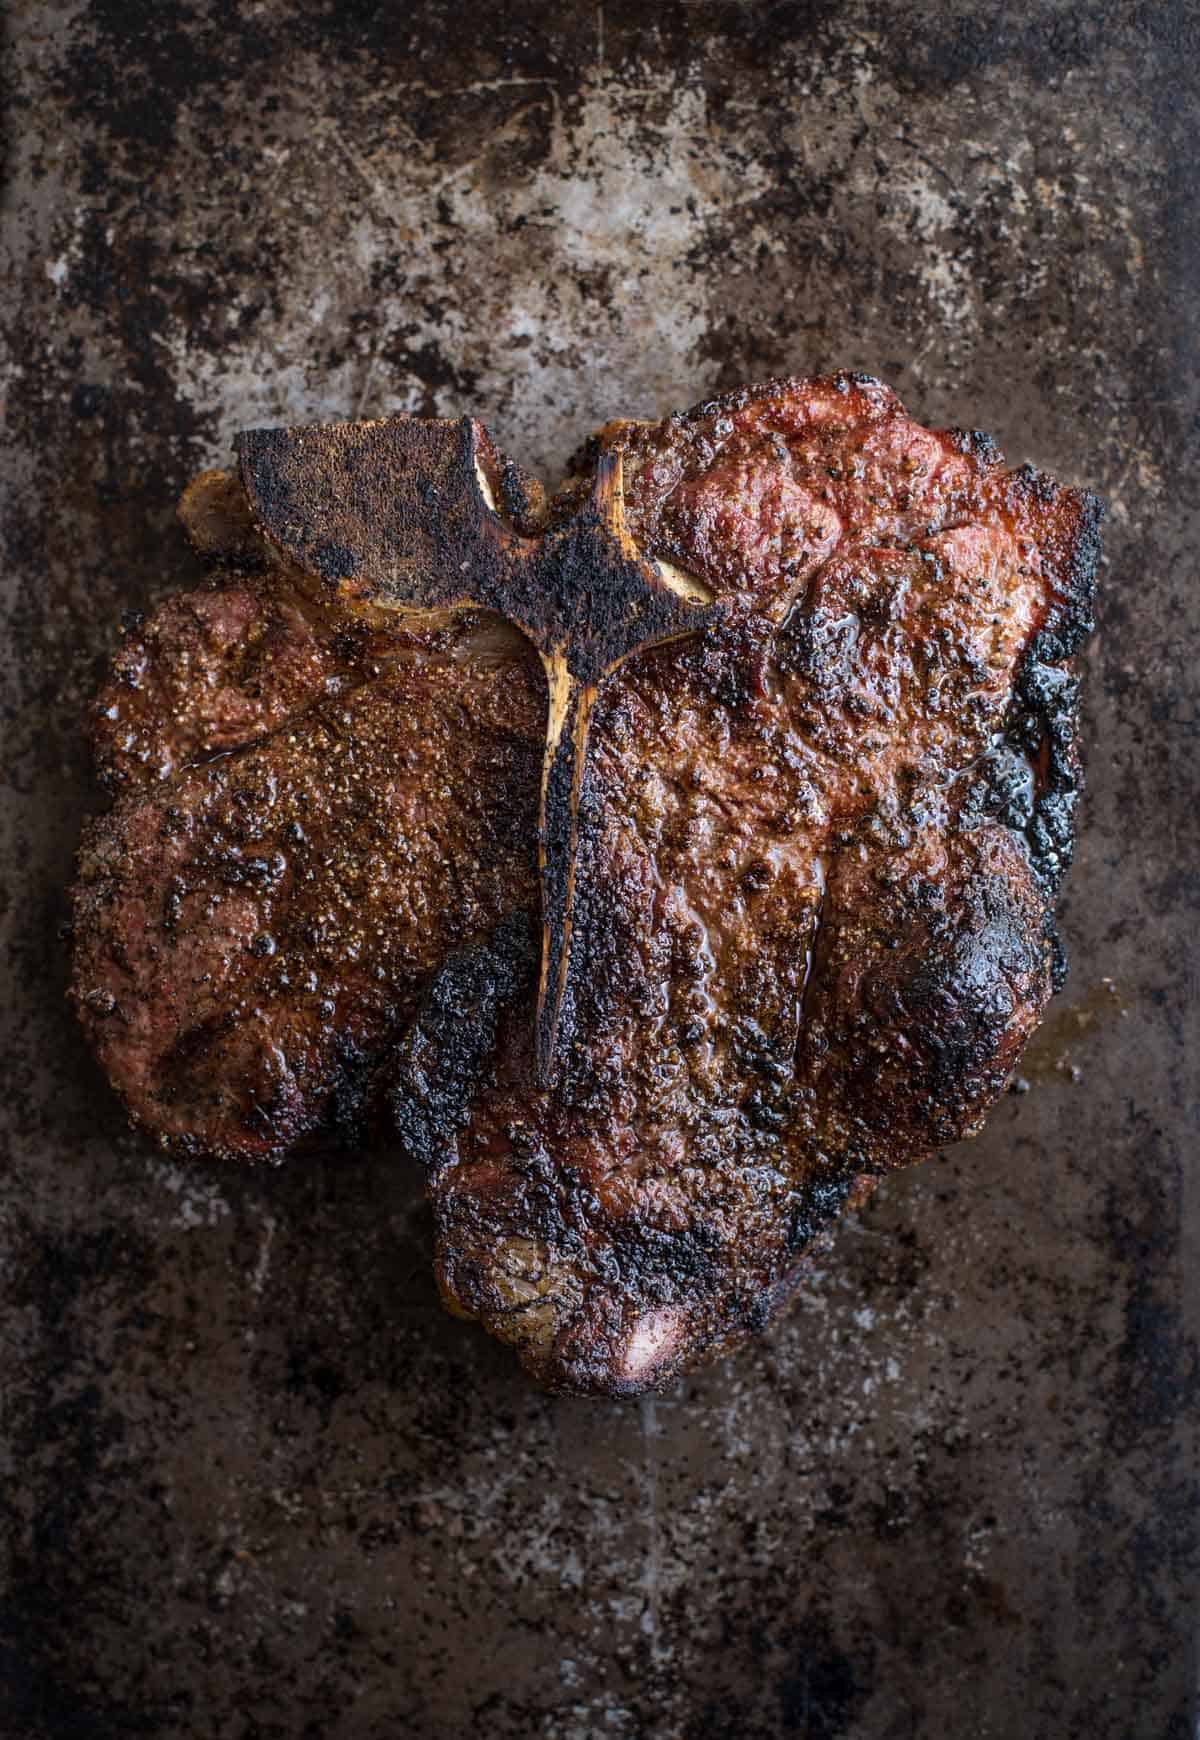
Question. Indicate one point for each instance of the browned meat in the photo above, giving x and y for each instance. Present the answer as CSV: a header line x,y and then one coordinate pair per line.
x,y
796,870
255,929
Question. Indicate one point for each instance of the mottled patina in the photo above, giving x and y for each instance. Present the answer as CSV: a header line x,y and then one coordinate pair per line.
x,y
256,1481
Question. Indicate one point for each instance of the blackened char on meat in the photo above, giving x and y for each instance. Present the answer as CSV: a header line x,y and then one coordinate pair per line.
x,y
815,851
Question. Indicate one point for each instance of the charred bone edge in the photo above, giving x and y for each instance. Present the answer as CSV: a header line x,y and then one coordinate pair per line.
x,y
399,516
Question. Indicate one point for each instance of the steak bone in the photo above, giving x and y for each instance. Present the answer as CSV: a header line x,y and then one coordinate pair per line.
x,y
398,519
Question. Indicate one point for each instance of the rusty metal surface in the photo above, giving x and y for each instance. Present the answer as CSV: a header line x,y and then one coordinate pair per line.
x,y
255,1482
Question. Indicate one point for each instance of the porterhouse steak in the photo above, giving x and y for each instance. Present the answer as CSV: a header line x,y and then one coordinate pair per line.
x,y
664,861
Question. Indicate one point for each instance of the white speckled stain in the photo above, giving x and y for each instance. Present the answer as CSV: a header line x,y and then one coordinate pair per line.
x,y
626,195
200,1203
263,1261
640,244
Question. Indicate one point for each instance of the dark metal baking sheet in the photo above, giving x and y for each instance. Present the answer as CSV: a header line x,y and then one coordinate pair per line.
x,y
255,1482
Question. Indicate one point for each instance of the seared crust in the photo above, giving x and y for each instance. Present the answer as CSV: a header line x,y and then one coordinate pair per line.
x,y
828,836
819,846
209,670
252,933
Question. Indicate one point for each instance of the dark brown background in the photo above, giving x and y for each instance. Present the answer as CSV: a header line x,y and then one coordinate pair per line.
x,y
255,1482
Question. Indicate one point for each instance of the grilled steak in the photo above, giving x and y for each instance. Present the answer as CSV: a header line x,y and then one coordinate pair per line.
x,y
659,928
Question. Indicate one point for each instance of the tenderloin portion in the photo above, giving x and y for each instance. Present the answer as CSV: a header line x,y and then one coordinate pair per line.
x,y
210,670
253,931
815,855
